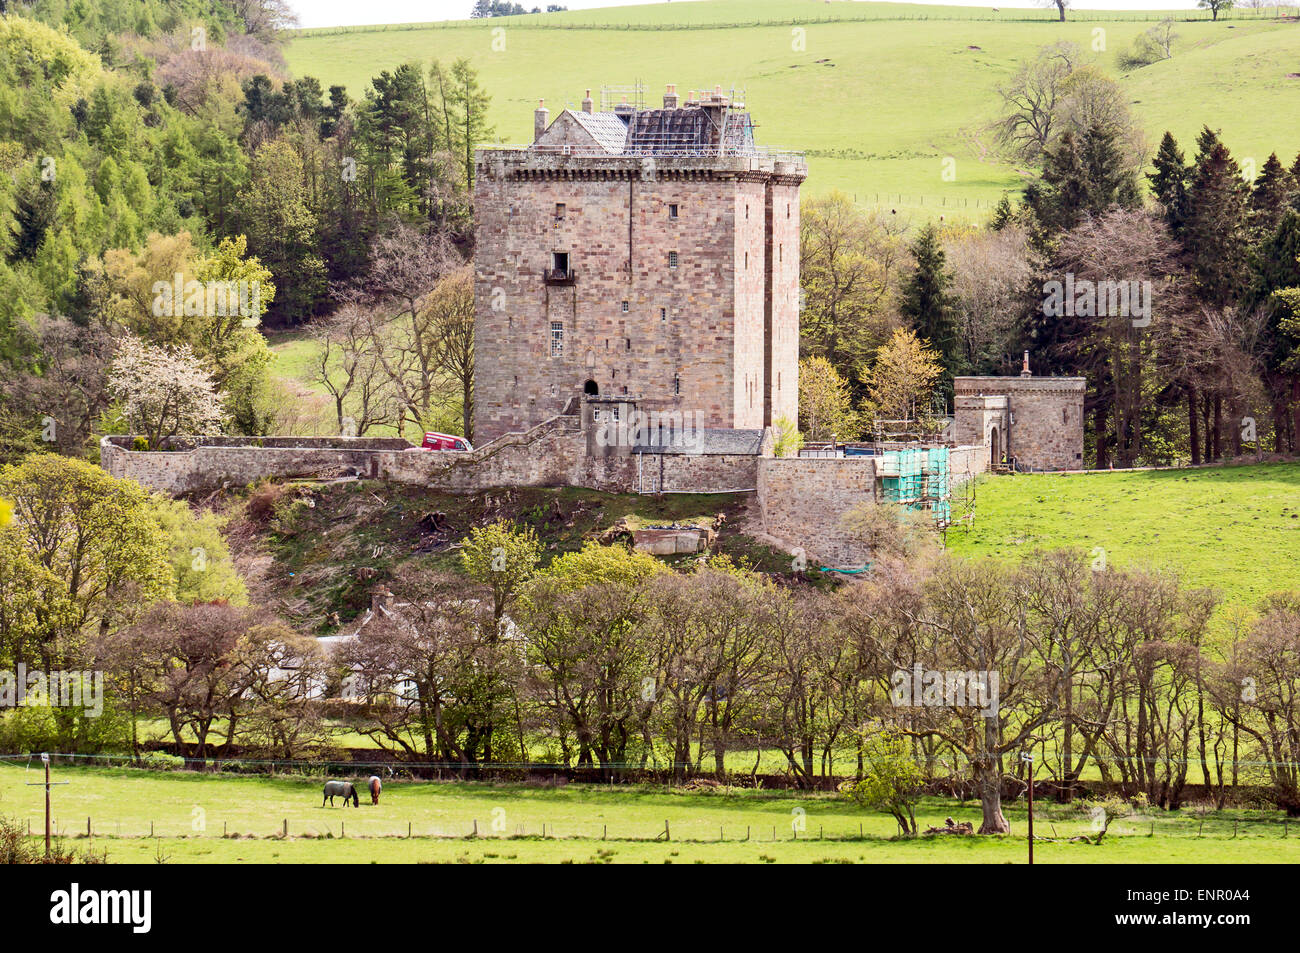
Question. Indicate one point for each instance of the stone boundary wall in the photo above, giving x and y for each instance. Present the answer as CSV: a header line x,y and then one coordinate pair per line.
x,y
803,499
966,463
211,462
554,453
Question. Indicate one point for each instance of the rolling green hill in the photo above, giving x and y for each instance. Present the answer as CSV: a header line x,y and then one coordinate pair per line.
x,y
1235,529
877,95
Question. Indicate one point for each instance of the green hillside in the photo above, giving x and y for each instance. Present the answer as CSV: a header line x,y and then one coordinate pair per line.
x,y
1235,529
878,96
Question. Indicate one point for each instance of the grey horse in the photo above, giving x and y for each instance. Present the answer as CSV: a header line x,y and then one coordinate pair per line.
x,y
346,789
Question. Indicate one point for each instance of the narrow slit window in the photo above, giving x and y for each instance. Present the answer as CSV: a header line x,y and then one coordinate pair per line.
x,y
672,212
672,259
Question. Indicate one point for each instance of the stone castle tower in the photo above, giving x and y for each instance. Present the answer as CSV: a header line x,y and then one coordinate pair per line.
x,y
646,254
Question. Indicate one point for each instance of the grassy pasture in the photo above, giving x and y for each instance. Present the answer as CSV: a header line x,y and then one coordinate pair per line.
x,y
1234,528
584,823
878,99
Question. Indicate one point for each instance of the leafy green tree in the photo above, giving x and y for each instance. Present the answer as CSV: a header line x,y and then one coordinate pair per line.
x,y
892,781
202,568
501,556
826,403
281,231
82,554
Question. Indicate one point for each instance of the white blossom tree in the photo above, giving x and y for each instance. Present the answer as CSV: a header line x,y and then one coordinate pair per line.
x,y
164,391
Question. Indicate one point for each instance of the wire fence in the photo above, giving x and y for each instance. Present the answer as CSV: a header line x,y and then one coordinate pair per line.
x,y
1011,16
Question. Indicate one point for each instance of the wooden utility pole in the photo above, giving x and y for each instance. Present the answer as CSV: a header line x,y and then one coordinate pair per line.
x,y
1028,758
45,760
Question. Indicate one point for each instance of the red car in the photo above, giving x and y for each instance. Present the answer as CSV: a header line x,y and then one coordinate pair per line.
x,y
443,441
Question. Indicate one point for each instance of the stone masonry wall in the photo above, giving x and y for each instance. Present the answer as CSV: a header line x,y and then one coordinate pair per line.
x,y
1041,425
803,500
555,453
693,338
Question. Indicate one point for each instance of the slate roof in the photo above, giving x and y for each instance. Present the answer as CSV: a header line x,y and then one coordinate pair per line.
x,y
609,131
714,440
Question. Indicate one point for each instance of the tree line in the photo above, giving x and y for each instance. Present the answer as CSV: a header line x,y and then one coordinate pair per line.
x,y
607,658
1199,364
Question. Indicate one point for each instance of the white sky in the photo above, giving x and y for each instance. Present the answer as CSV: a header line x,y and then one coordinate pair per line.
x,y
352,13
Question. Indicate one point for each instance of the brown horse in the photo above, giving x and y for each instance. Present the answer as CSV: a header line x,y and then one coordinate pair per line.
x,y
375,786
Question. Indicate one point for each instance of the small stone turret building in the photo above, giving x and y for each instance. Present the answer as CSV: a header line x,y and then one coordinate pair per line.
x,y
1034,422
651,254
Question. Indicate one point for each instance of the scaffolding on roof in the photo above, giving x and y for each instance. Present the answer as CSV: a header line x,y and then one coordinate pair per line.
x,y
611,96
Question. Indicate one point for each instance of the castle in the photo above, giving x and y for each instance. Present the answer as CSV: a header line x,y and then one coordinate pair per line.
x,y
651,254
636,262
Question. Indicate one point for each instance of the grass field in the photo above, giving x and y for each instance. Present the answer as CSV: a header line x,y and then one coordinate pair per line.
x,y
1235,529
195,817
878,98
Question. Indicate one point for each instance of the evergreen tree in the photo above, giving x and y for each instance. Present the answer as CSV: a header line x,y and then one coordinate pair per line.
x,y
927,304
1270,197
1169,182
1216,233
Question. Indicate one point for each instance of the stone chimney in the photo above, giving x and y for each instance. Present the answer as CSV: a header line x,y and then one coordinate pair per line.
x,y
539,119
625,110
670,96
587,104
1024,367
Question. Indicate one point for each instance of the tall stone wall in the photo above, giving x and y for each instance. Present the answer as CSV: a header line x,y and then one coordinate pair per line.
x,y
803,501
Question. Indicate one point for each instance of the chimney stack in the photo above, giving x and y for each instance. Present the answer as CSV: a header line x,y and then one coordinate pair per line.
x,y
1024,367
587,104
625,110
670,97
539,119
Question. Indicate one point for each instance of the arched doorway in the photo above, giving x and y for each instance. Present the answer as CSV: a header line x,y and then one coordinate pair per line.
x,y
995,447
591,389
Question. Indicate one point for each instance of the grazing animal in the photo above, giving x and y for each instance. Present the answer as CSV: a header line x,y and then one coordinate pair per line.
x,y
345,789
375,786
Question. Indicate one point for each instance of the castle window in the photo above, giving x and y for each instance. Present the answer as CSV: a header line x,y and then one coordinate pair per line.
x,y
557,338
1065,415
677,384
559,273
629,344
663,314
746,260
787,209
672,212
672,259
625,307
780,253
559,211
747,211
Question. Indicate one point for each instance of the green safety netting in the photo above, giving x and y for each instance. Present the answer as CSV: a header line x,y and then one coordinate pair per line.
x,y
918,479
